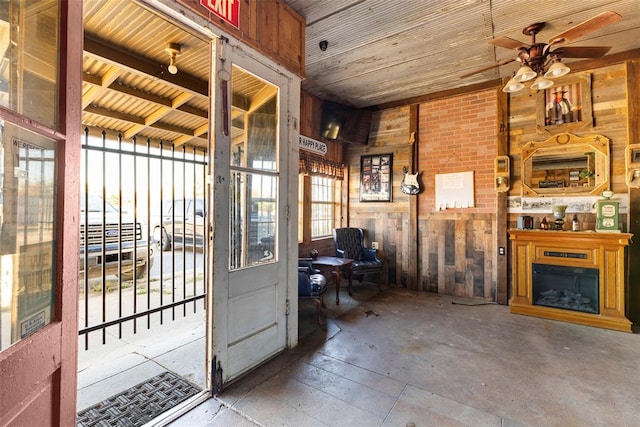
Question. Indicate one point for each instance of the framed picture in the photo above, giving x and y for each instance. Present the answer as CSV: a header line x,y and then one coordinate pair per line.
x,y
375,178
566,106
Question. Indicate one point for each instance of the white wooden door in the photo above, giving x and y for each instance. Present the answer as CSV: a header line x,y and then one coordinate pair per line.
x,y
249,225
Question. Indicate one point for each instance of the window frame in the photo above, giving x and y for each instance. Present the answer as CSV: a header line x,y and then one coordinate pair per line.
x,y
305,208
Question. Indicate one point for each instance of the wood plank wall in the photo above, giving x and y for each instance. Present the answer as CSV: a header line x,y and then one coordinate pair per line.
x,y
457,249
386,223
614,91
310,124
271,27
609,101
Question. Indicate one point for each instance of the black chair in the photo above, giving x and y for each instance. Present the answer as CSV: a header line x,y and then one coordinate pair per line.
x,y
349,243
313,285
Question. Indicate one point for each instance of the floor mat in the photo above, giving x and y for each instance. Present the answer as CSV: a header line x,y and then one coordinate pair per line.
x,y
139,404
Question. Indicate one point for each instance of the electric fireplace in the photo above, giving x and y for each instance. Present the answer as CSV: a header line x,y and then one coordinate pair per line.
x,y
572,276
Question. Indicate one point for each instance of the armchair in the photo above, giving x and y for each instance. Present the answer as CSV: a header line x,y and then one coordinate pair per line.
x,y
312,285
349,243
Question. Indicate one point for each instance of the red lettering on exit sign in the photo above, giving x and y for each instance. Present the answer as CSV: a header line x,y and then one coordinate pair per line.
x,y
228,10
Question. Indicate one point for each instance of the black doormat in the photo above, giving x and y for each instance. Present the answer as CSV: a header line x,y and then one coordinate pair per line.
x,y
139,404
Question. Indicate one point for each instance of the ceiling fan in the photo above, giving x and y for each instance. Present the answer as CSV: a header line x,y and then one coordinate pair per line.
x,y
536,57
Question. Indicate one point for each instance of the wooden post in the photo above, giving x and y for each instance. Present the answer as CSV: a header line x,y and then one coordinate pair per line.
x,y
413,275
502,149
633,215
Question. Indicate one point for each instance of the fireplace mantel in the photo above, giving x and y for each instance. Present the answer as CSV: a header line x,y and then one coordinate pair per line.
x,y
602,251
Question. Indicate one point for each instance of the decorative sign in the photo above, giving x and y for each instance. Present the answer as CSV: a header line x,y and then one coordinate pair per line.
x,y
227,10
306,143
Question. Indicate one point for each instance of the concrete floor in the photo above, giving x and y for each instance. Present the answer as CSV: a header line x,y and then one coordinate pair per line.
x,y
406,358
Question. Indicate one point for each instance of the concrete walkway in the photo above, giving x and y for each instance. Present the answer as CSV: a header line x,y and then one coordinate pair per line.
x,y
177,346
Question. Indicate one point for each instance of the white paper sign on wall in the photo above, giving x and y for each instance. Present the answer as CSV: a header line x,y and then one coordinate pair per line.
x,y
454,190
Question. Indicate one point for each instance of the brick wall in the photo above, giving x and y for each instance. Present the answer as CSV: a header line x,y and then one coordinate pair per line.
x,y
458,134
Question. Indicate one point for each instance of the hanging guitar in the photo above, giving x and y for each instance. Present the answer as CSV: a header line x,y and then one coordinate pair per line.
x,y
410,184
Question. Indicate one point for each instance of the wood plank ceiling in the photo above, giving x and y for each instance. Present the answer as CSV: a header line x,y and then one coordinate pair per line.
x,y
379,51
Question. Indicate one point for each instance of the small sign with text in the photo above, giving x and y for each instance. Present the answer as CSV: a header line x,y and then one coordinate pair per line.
x,y
227,10
306,143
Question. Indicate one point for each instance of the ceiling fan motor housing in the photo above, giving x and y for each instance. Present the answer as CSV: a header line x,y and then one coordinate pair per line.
x,y
537,56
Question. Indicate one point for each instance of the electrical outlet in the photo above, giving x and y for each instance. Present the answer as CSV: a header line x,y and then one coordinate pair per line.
x,y
374,245
501,250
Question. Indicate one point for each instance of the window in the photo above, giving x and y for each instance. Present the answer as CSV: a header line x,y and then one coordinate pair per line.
x,y
29,168
322,206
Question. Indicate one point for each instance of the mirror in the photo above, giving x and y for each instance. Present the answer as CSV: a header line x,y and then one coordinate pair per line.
x,y
566,164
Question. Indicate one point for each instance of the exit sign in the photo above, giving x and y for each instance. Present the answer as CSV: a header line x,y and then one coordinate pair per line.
x,y
228,10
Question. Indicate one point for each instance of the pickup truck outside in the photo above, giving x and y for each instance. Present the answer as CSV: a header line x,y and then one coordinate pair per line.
x,y
182,222
112,241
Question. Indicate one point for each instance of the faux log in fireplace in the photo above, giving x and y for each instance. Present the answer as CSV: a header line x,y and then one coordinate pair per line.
x,y
570,276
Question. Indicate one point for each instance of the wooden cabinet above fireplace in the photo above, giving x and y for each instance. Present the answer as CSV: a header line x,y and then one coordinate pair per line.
x,y
574,256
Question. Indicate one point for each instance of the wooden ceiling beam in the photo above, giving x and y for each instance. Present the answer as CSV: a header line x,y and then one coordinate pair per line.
x,y
99,85
157,115
155,99
140,121
136,64
111,114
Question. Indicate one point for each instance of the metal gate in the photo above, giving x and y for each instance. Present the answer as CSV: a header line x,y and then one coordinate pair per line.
x,y
142,234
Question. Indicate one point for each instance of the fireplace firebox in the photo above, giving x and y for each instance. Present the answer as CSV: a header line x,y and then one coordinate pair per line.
x,y
569,288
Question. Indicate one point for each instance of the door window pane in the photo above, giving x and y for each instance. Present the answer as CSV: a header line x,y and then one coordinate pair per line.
x,y
253,219
254,122
253,199
29,58
27,232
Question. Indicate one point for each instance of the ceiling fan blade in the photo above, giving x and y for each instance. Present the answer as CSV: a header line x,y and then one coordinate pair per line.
x,y
499,64
582,51
593,24
507,42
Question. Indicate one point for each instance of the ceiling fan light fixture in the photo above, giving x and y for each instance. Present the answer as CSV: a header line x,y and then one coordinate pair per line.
x,y
513,86
524,74
557,69
541,83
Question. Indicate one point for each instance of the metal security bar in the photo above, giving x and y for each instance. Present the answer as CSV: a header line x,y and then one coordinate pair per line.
x,y
143,239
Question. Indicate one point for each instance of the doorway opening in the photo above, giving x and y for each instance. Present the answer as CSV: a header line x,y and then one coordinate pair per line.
x,y
144,208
